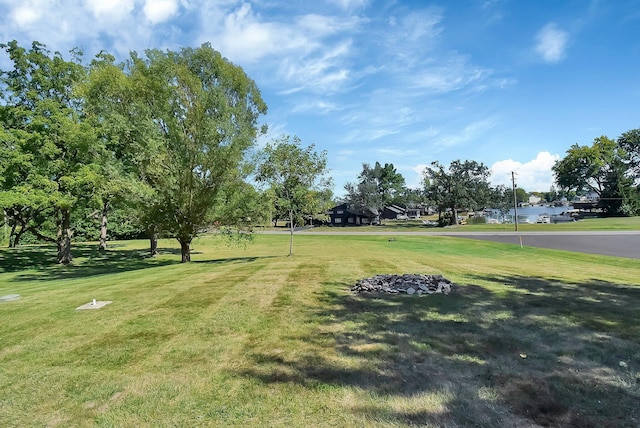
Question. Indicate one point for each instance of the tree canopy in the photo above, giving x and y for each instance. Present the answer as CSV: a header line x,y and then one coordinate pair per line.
x,y
205,110
165,133
377,187
297,177
604,168
49,151
461,185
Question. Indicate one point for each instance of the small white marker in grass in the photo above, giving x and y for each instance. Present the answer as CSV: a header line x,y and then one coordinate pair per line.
x,y
94,304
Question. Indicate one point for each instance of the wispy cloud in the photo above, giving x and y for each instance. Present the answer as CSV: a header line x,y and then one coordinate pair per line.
x,y
316,106
350,4
323,73
551,43
344,154
449,74
493,11
306,53
469,133
406,35
396,151
417,58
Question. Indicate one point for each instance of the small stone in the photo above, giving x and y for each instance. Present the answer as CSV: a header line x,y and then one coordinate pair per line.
x,y
411,290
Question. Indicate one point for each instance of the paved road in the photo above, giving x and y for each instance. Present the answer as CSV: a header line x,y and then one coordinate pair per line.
x,y
604,243
613,243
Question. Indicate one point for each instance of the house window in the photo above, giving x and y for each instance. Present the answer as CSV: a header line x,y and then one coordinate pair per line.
x,y
340,212
365,221
330,212
350,220
338,220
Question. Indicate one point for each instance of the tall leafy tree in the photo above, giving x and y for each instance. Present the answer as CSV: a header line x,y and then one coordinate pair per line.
x,y
116,105
297,177
630,142
461,185
51,149
377,187
364,196
602,169
501,198
521,195
205,110
389,182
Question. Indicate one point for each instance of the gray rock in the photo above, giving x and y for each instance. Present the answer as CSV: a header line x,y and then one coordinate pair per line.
x,y
406,283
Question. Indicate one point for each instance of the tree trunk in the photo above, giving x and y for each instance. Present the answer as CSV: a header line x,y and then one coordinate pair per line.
x,y
291,233
103,227
13,239
153,244
64,238
185,249
58,231
16,239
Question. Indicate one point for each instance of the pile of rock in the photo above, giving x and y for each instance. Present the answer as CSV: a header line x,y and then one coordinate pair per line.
x,y
407,283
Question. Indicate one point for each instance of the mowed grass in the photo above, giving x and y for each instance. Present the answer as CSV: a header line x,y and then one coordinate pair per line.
x,y
250,337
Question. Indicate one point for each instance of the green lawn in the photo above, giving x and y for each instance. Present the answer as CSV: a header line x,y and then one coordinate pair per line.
x,y
250,337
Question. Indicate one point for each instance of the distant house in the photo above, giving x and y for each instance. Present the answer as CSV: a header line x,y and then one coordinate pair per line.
x,y
348,215
592,196
394,212
415,212
534,200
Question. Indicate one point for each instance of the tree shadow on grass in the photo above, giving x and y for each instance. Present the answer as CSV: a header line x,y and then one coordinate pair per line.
x,y
528,351
233,260
88,261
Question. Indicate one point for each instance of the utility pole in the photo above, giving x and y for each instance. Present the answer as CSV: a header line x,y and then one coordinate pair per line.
x,y
515,200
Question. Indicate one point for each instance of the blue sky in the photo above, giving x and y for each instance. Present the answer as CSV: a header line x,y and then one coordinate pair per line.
x,y
512,84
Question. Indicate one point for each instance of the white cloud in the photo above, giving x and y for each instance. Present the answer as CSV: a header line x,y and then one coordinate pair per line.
x,y
26,15
113,9
302,53
416,180
551,43
535,175
158,11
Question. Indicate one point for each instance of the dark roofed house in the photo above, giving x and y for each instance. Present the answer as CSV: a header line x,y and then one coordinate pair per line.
x,y
394,212
348,215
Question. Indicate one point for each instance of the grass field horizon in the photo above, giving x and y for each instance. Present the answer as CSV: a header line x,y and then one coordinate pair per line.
x,y
248,336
